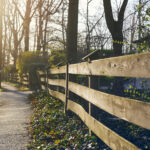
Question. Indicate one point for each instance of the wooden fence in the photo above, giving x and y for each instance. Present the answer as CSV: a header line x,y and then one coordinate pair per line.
x,y
134,111
14,77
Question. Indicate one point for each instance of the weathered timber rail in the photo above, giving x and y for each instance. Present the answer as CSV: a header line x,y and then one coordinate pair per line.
x,y
134,111
24,80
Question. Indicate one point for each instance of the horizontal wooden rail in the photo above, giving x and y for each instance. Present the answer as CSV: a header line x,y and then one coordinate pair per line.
x,y
57,82
41,72
134,111
136,65
109,137
121,107
42,79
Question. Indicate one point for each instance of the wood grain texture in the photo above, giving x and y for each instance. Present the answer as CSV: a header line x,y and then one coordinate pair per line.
x,y
43,79
109,137
123,108
57,82
58,70
43,87
41,72
137,65
58,95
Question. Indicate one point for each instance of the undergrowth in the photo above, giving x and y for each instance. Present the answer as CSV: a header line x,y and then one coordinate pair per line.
x,y
51,129
20,87
1,89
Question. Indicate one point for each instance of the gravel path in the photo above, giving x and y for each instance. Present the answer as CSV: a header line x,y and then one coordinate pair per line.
x,y
15,112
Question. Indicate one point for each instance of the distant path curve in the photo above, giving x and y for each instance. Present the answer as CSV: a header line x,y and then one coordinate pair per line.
x,y
15,113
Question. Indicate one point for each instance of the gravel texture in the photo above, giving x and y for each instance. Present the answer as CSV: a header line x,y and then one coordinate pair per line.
x,y
15,112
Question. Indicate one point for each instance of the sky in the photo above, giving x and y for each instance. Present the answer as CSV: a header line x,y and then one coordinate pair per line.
x,y
96,10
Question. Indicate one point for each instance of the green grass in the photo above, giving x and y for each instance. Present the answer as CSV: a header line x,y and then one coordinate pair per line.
x,y
18,86
51,129
1,89
23,88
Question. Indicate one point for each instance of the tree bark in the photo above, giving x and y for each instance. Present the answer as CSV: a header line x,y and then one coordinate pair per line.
x,y
1,28
27,31
72,30
39,37
115,27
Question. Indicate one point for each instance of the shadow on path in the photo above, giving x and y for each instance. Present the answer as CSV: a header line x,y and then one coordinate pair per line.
x,y
15,113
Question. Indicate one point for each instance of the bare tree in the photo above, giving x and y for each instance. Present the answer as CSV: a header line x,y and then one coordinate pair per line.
x,y
26,17
1,28
17,32
115,27
45,11
72,30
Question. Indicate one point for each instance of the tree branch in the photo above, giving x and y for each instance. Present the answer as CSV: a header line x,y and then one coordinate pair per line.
x,y
122,10
108,14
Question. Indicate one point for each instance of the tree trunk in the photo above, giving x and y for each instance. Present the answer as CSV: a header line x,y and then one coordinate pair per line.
x,y
45,35
63,26
27,20
39,37
1,27
117,41
72,30
27,31
115,28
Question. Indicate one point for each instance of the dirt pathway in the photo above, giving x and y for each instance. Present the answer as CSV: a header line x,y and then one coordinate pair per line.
x,y
15,112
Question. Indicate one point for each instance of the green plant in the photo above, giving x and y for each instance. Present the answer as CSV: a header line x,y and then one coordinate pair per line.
x,y
1,90
29,62
138,94
8,70
57,57
53,130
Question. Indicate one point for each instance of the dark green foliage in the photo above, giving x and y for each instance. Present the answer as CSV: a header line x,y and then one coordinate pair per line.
x,y
9,69
9,73
52,130
138,94
29,62
57,57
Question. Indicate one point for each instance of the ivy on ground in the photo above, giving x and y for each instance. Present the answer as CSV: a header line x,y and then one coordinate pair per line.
x,y
51,129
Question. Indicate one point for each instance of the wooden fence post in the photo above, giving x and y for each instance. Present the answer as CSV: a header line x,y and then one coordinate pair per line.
x,y
28,81
58,86
66,90
89,84
46,81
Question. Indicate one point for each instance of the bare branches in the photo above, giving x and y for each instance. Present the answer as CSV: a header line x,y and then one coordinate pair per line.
x,y
122,11
16,7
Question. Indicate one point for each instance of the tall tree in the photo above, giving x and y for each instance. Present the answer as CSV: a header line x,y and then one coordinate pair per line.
x,y
26,17
115,26
45,10
1,27
72,29
16,29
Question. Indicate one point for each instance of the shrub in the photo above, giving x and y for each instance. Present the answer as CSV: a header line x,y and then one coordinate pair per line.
x,y
51,129
29,62
56,58
8,70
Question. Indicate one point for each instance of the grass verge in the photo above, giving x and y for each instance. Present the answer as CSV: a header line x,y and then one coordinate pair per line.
x,y
18,86
1,89
51,129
